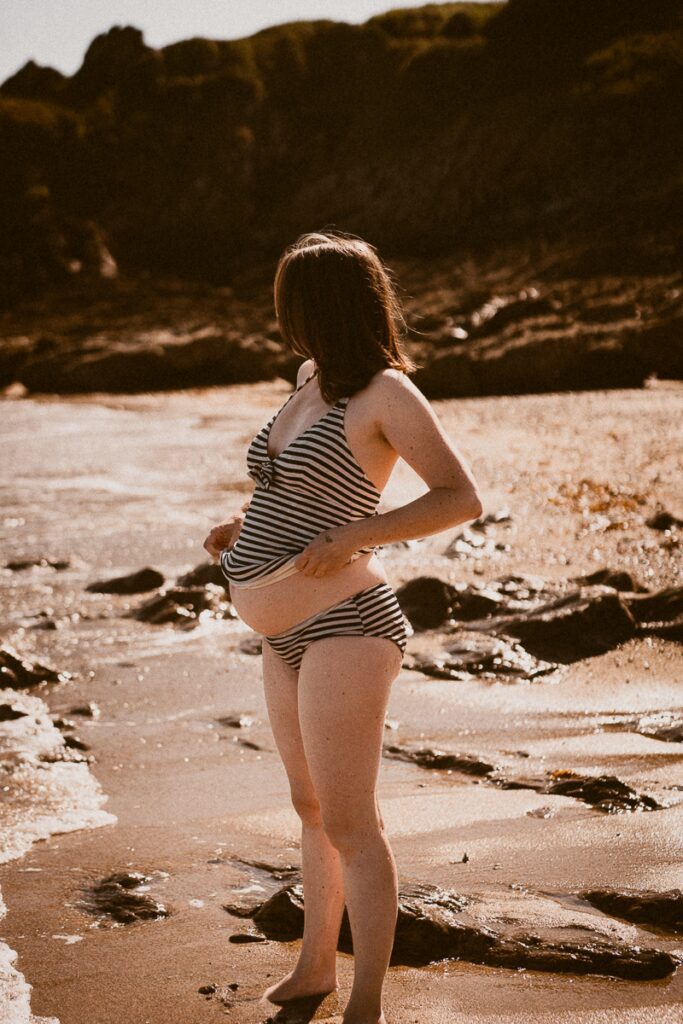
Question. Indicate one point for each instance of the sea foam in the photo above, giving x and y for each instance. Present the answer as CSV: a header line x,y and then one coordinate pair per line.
x,y
46,788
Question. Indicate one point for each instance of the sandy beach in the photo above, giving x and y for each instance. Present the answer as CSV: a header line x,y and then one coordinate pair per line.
x,y
112,484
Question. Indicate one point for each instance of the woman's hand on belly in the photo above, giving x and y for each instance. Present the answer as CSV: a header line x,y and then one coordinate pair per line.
x,y
327,553
223,536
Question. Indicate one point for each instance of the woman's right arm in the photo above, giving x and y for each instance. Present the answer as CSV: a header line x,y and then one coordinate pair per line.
x,y
225,534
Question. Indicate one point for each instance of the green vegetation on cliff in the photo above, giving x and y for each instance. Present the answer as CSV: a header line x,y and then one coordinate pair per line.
x,y
426,130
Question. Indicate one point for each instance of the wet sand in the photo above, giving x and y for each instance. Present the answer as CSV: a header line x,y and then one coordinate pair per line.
x,y
114,484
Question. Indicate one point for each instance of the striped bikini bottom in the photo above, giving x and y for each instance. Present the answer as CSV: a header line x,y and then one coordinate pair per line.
x,y
372,612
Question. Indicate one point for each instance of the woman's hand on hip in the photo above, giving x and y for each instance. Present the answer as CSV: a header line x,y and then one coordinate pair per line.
x,y
327,553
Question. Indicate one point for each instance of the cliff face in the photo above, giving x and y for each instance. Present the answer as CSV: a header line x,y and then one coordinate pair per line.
x,y
442,128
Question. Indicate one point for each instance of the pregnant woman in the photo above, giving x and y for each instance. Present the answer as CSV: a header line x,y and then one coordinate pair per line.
x,y
305,572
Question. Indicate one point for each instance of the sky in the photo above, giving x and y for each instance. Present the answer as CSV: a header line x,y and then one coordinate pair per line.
x,y
58,32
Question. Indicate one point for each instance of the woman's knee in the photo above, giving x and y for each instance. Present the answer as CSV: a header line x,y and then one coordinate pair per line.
x,y
350,832
307,806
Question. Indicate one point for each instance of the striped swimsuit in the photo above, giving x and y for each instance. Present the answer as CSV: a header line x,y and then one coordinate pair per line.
x,y
313,485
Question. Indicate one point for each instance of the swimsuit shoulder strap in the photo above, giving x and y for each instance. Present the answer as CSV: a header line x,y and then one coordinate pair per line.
x,y
290,396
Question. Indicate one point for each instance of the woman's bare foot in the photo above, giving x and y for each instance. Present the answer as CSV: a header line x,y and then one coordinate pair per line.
x,y
299,984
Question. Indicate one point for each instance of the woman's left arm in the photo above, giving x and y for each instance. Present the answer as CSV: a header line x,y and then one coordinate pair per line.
x,y
407,422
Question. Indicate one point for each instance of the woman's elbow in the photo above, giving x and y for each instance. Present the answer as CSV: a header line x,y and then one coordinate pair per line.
x,y
475,506
467,503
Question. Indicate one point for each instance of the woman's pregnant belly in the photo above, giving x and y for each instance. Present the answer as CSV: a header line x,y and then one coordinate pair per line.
x,y
281,605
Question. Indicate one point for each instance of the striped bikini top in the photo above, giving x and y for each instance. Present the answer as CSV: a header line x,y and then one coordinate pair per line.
x,y
315,483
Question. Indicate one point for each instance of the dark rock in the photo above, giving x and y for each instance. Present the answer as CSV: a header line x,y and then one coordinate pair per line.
x,y
167,361
426,601
618,579
662,606
499,311
475,603
238,721
135,583
63,723
251,645
282,916
184,605
663,520
115,897
609,312
662,910
672,631
501,515
428,929
277,871
13,352
10,714
75,743
666,726
574,626
663,726
89,710
238,909
426,757
249,744
207,990
450,373
44,562
17,673
475,654
63,754
630,962
243,937
605,792
207,572
434,924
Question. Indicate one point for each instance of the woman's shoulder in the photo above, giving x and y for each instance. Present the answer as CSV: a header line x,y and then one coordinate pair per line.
x,y
390,383
389,393
304,371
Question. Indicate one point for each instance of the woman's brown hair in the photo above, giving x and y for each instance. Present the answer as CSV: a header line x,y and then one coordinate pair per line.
x,y
336,304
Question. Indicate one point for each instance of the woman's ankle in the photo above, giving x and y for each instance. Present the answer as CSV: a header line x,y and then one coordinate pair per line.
x,y
362,1013
316,964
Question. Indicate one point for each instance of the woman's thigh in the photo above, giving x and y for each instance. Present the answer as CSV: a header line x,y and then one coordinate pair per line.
x,y
280,688
344,688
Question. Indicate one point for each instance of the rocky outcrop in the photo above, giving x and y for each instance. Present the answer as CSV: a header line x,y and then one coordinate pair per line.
x,y
660,910
606,793
528,264
159,360
524,628
516,930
